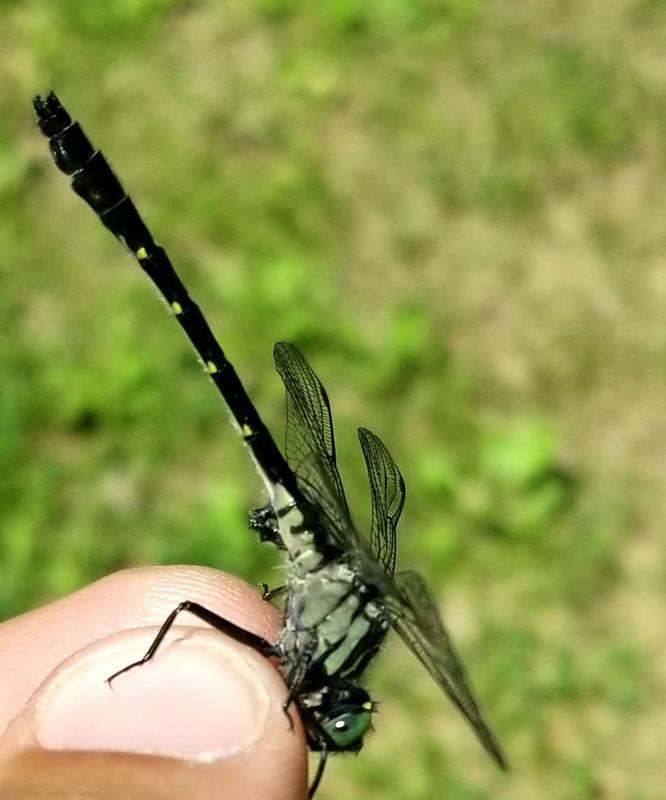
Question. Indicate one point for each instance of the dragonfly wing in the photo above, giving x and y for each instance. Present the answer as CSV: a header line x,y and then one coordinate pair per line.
x,y
416,618
387,489
310,442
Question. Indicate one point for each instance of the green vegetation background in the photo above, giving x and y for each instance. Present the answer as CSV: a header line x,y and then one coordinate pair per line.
x,y
457,210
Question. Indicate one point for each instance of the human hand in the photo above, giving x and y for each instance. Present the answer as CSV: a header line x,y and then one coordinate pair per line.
x,y
203,719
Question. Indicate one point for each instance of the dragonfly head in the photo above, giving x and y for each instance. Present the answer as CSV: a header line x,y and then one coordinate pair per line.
x,y
343,720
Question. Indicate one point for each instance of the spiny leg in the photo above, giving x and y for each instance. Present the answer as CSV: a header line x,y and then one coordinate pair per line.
x,y
319,774
264,521
296,677
269,594
237,633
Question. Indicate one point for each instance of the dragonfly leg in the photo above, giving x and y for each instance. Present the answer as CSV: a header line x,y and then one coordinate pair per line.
x,y
323,755
268,594
258,643
264,521
296,677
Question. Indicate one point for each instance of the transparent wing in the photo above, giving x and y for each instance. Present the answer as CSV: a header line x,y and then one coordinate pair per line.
x,y
387,489
417,620
310,445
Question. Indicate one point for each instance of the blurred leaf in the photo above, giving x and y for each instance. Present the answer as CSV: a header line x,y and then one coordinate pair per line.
x,y
518,456
13,163
437,472
120,17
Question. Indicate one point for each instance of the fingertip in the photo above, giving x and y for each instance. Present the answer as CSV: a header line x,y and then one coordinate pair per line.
x,y
35,643
207,712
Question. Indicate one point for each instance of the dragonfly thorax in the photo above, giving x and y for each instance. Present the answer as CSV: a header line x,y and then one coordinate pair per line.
x,y
332,620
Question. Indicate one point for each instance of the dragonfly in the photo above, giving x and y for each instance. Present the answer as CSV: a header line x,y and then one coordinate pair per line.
x,y
342,593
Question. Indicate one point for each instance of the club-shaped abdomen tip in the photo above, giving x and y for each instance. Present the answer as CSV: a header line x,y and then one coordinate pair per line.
x,y
42,104
51,116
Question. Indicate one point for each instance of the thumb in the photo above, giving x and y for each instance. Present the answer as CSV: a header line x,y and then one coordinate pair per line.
x,y
202,719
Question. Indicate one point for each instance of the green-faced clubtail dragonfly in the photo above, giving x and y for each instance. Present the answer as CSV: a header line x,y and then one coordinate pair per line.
x,y
342,593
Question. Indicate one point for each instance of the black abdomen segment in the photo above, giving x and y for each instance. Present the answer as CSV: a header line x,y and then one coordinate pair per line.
x,y
93,180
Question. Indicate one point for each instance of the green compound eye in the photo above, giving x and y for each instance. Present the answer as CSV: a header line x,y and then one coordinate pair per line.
x,y
347,728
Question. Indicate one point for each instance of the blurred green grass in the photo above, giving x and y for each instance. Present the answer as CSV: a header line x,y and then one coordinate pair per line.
x,y
456,210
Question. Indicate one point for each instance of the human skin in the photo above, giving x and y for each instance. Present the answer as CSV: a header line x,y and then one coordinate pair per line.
x,y
204,719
